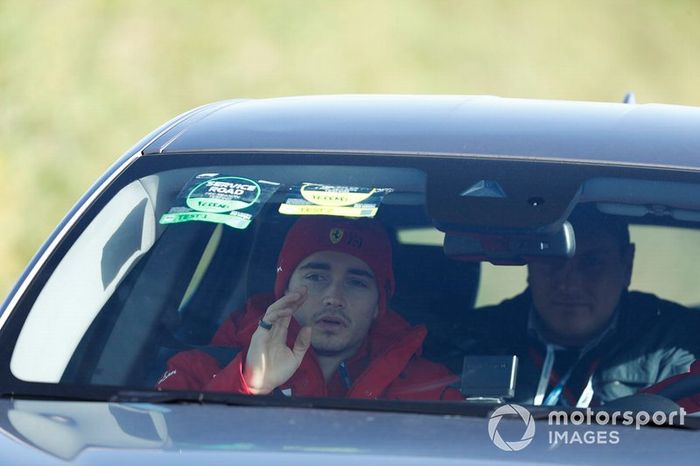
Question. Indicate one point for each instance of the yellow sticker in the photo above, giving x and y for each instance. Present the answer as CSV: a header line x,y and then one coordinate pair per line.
x,y
341,201
341,211
334,195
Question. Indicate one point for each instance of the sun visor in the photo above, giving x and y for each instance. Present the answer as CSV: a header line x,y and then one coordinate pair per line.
x,y
510,197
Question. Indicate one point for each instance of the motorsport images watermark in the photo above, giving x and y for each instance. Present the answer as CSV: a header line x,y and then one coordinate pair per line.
x,y
509,410
564,427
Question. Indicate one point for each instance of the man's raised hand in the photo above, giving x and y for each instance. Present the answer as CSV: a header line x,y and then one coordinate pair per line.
x,y
270,362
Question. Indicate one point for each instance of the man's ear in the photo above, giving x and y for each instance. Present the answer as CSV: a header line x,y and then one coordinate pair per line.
x,y
376,311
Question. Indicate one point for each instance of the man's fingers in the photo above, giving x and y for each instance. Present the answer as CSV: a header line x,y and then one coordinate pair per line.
x,y
279,330
302,343
273,315
285,306
302,292
295,297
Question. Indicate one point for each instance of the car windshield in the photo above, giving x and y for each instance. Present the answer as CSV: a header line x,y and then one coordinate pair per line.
x,y
393,278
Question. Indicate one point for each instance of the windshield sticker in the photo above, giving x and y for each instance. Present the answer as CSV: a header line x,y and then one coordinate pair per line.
x,y
322,199
216,198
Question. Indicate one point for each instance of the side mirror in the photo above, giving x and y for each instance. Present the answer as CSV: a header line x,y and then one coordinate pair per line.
x,y
510,248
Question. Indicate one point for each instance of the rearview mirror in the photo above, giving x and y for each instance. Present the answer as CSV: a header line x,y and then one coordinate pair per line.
x,y
508,248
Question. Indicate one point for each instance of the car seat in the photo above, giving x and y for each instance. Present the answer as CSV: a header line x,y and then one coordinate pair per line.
x,y
432,289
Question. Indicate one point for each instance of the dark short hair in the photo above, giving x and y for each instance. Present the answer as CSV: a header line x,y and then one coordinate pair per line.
x,y
587,217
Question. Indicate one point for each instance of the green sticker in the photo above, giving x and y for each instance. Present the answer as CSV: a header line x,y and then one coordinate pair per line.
x,y
216,198
223,194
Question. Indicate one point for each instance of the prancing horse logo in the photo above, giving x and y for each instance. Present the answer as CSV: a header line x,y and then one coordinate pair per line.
x,y
336,235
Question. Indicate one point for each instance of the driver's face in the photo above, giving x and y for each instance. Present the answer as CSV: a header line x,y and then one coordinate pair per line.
x,y
341,303
576,298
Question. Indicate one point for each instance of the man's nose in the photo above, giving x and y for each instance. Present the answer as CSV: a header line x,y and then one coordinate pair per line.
x,y
334,295
570,277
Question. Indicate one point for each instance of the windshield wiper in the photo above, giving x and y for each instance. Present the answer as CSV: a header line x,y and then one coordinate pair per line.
x,y
440,408
451,408
115,395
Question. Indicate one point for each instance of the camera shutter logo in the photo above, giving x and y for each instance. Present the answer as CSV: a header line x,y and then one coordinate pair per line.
x,y
511,409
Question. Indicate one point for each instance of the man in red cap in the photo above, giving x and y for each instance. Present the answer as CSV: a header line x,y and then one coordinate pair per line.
x,y
327,331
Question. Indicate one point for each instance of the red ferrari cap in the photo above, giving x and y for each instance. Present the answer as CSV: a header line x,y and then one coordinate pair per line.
x,y
363,238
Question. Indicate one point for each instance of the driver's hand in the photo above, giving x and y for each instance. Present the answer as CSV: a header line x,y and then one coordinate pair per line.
x,y
270,362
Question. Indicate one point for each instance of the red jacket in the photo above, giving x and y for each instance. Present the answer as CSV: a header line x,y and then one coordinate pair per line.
x,y
689,402
387,366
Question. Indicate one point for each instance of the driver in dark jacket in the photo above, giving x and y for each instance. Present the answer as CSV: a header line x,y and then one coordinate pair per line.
x,y
581,337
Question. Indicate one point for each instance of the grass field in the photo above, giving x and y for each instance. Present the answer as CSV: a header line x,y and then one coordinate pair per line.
x,y
82,80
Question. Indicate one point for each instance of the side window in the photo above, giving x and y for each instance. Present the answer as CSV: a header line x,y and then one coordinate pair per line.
x,y
499,282
82,283
666,261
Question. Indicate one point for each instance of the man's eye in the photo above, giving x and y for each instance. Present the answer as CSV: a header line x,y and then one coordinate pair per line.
x,y
359,283
315,277
593,262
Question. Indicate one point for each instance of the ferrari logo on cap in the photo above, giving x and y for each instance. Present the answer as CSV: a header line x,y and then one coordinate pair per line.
x,y
336,235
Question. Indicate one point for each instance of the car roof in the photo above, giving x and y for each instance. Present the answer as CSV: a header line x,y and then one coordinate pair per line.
x,y
617,133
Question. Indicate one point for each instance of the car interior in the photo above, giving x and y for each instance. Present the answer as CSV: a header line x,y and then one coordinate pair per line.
x,y
148,291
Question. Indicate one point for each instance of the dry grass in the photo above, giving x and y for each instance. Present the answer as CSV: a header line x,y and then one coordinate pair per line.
x,y
81,80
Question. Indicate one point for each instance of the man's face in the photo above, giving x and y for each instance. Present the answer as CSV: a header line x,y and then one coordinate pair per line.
x,y
341,303
576,298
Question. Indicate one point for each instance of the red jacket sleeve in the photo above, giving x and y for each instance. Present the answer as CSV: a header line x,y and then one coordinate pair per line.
x,y
196,370
690,403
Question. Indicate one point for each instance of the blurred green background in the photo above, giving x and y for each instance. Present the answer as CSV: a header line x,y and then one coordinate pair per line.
x,y
81,81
